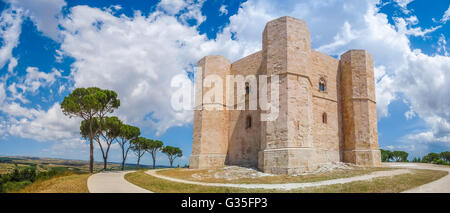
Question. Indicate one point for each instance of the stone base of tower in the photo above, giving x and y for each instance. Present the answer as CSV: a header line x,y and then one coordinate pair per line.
x,y
294,160
371,157
206,161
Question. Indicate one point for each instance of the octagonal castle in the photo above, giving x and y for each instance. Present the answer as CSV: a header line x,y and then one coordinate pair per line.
x,y
327,108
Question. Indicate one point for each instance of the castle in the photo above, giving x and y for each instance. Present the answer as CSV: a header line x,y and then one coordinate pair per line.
x,y
327,108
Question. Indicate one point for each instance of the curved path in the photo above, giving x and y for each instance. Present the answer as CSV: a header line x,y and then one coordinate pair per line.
x,y
289,186
112,182
441,185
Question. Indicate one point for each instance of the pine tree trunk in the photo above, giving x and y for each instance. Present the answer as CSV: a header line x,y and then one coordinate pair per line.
x,y
91,148
153,161
91,158
123,157
139,159
104,163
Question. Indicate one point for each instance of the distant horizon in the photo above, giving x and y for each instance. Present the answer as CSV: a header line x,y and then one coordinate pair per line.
x,y
87,161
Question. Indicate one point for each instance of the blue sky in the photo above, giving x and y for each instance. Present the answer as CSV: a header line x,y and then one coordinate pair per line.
x,y
47,48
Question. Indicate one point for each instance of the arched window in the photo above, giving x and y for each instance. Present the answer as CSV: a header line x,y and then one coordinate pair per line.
x,y
248,122
322,85
324,118
247,88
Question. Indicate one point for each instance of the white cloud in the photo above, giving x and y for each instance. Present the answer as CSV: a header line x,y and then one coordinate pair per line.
x,y
2,93
404,4
446,16
442,45
16,95
44,13
172,7
404,27
425,82
223,10
10,28
135,56
410,113
12,64
40,125
33,80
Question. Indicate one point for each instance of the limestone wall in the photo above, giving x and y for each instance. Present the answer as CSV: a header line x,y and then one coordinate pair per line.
x,y
211,128
244,142
359,109
326,135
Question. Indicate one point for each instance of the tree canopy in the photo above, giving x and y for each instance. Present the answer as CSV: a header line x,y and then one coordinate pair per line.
x,y
88,104
386,155
400,156
153,147
431,158
172,153
127,133
139,147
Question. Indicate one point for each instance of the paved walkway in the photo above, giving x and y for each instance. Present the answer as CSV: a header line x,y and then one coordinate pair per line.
x,y
441,185
112,182
289,186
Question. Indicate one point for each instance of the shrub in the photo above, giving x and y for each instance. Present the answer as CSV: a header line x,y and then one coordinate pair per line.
x,y
18,179
15,186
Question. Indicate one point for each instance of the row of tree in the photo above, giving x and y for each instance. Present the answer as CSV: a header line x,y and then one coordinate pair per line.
x,y
93,105
393,156
436,158
401,156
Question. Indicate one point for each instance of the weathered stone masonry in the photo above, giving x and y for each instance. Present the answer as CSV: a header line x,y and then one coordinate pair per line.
x,y
327,108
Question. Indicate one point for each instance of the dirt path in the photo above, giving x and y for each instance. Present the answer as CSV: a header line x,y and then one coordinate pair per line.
x,y
289,186
438,186
112,182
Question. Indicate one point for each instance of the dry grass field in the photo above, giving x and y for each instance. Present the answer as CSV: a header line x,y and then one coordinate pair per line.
x,y
75,183
6,168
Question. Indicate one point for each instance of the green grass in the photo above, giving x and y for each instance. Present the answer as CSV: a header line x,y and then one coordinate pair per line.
x,y
396,183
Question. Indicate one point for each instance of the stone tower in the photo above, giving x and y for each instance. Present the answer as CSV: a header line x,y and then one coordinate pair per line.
x,y
210,138
359,111
327,108
287,141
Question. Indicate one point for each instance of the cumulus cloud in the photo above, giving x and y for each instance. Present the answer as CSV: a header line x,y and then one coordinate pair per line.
x,y
41,125
44,13
10,28
135,56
